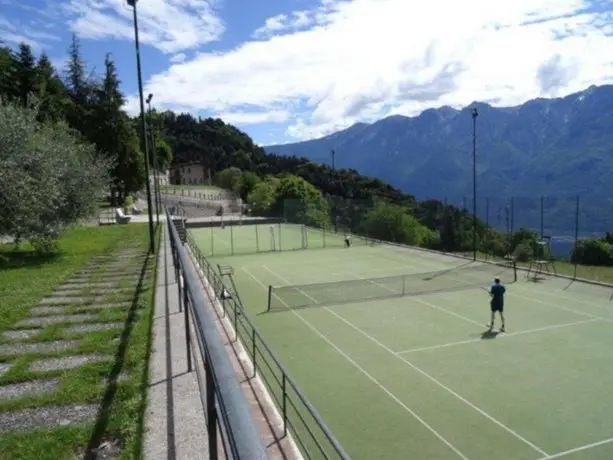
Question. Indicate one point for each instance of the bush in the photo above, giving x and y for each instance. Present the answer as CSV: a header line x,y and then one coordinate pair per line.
x,y
49,179
593,252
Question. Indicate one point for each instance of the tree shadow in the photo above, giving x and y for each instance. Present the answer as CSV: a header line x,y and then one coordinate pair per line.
x,y
20,258
100,428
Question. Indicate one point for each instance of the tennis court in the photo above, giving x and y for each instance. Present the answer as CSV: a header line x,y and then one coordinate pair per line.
x,y
414,376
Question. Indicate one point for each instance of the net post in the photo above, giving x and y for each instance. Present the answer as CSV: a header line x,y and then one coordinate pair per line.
x,y
257,239
514,270
280,242
404,289
269,296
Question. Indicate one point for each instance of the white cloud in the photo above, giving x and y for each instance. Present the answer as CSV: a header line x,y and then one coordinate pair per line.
x,y
250,118
169,25
366,59
178,58
12,31
295,21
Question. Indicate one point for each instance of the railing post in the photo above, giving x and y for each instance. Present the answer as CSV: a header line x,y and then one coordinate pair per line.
x,y
188,348
236,313
253,352
179,289
284,392
211,410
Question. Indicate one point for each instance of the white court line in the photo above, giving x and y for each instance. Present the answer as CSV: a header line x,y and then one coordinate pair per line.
x,y
529,288
532,299
363,371
432,379
512,334
559,295
571,310
577,449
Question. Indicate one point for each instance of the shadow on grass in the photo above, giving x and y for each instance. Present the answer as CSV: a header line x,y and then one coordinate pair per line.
x,y
102,420
21,258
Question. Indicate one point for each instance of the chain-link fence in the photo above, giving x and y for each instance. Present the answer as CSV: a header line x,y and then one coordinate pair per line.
x,y
243,236
565,224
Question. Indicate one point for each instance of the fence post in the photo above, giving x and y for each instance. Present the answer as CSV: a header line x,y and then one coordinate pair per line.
x,y
211,411
212,242
576,236
232,239
280,244
188,347
542,216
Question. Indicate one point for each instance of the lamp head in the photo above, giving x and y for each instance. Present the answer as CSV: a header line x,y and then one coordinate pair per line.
x,y
149,98
132,3
474,112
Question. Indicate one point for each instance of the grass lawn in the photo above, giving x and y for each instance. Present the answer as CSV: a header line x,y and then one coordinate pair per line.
x,y
85,319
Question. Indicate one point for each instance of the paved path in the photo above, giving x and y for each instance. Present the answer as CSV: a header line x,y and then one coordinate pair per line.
x,y
174,420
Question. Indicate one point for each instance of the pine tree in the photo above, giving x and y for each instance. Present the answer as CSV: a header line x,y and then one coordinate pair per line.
x,y
8,75
115,137
54,98
80,90
27,76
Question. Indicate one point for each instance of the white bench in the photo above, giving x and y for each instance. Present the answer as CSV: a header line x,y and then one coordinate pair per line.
x,y
121,217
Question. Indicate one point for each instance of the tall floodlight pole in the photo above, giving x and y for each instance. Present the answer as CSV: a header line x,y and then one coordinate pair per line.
x,y
474,114
156,185
143,127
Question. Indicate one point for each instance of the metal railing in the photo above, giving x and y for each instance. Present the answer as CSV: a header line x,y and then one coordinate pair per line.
x,y
300,418
223,399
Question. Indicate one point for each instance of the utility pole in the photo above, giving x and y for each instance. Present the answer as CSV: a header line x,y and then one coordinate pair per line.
x,y
156,185
143,128
474,114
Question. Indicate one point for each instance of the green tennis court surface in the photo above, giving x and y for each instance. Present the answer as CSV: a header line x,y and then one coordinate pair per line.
x,y
415,377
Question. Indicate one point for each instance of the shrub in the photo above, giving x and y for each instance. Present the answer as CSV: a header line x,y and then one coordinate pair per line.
x,y
49,179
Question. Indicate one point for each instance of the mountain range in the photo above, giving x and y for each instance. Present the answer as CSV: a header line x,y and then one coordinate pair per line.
x,y
559,148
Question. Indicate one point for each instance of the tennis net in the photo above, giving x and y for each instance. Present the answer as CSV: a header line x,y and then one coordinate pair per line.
x,y
473,275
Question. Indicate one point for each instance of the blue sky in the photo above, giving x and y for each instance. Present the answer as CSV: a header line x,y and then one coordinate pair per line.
x,y
287,70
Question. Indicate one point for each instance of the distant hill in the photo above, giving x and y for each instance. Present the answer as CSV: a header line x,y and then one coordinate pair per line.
x,y
555,147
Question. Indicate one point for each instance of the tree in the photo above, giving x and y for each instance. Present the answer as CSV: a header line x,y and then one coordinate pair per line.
x,y
392,222
9,91
115,137
80,88
229,179
50,180
262,197
163,153
298,201
27,76
54,101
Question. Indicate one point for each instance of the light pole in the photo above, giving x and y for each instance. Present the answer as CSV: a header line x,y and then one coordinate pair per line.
x,y
156,185
143,128
474,114
333,154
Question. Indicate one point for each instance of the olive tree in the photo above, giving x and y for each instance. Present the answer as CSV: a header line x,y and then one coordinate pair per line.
x,y
49,178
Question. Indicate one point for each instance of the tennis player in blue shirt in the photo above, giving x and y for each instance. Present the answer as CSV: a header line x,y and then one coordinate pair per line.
x,y
497,303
